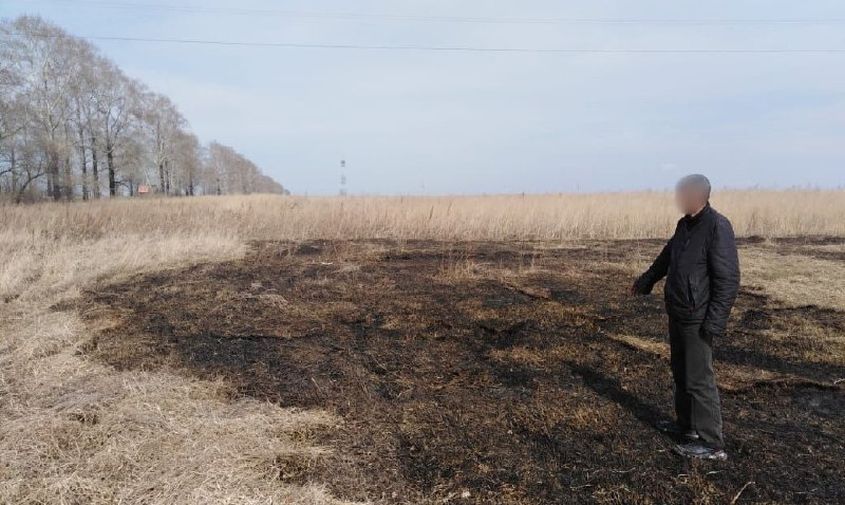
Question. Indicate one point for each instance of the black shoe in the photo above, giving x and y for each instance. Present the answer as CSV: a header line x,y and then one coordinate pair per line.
x,y
695,450
672,428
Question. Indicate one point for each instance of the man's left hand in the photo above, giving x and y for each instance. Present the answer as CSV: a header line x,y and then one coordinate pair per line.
x,y
707,335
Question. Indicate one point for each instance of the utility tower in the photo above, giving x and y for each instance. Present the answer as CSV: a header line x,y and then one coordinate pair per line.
x,y
342,178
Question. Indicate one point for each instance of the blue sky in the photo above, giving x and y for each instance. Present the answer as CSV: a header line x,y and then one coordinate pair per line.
x,y
441,122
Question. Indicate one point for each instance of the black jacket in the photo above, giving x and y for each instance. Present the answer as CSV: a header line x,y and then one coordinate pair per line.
x,y
701,267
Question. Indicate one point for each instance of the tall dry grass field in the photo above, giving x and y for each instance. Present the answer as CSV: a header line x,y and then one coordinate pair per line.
x,y
503,217
162,438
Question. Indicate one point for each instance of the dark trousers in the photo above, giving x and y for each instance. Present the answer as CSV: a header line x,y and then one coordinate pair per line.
x,y
696,398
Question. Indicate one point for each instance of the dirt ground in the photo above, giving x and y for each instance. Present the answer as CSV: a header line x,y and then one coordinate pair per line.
x,y
503,373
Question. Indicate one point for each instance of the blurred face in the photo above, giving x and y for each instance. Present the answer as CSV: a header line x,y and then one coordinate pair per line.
x,y
689,200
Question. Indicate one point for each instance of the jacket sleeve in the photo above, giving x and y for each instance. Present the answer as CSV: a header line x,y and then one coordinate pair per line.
x,y
657,271
723,266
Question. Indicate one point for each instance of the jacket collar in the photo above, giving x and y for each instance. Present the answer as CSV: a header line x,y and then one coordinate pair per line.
x,y
693,220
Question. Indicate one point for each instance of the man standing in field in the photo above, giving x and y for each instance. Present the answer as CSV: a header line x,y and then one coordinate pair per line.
x,y
701,267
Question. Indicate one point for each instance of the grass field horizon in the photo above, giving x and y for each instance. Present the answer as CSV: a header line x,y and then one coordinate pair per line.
x,y
557,216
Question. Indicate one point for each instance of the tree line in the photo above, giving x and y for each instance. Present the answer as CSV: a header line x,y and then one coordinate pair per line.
x,y
74,126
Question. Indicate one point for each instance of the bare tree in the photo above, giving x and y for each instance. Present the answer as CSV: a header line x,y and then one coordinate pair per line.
x,y
114,107
35,51
165,124
187,161
83,90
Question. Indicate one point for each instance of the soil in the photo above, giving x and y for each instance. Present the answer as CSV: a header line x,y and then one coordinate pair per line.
x,y
504,373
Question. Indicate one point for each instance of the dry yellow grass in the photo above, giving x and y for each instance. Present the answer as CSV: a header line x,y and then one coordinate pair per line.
x,y
543,217
795,279
76,431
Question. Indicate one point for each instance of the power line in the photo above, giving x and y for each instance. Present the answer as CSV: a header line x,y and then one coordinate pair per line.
x,y
444,19
471,49
466,49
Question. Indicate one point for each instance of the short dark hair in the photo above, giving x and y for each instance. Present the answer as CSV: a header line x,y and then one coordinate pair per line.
x,y
697,182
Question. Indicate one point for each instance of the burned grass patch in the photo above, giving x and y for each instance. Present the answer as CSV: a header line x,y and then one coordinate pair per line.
x,y
510,385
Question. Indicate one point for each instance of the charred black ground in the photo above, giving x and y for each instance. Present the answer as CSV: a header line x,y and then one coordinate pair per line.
x,y
519,373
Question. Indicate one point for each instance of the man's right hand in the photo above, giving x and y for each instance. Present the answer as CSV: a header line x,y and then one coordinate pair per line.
x,y
640,287
635,290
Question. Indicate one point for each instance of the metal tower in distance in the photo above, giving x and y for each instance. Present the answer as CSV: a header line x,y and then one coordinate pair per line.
x,y
342,178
